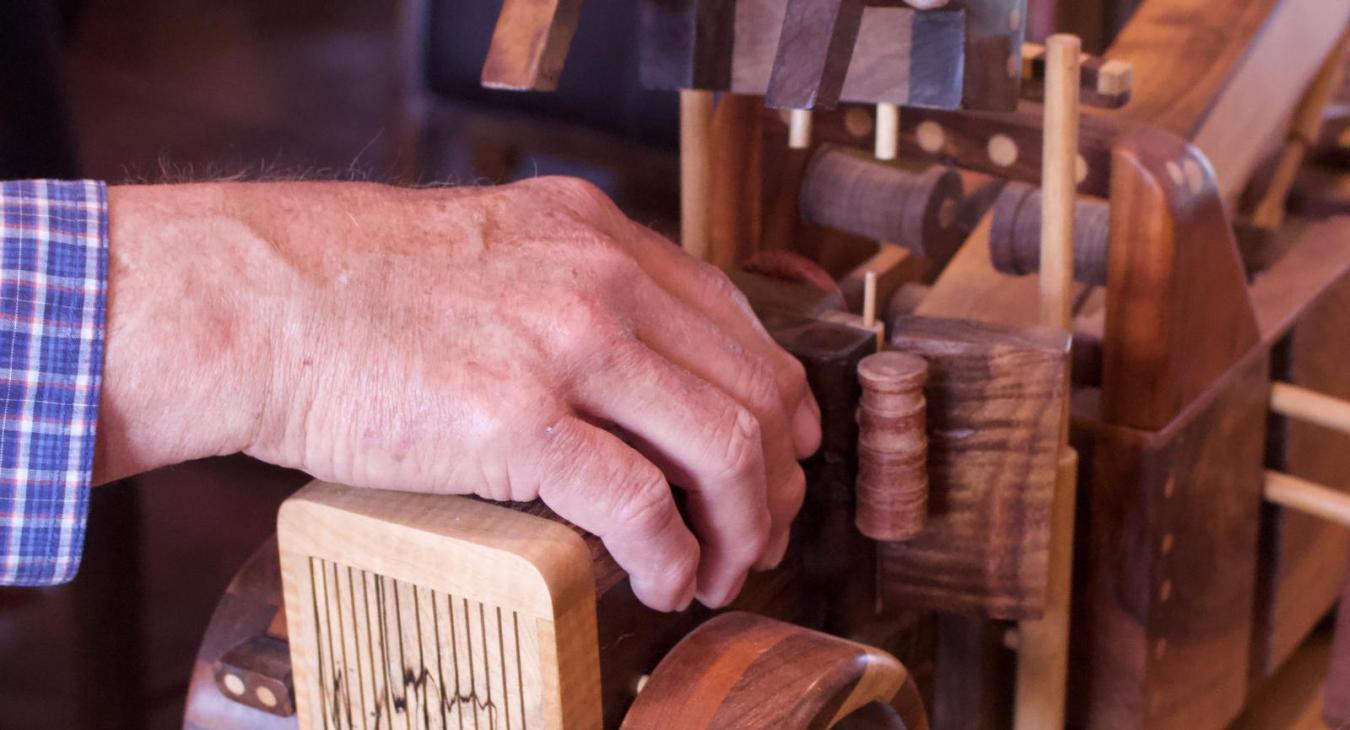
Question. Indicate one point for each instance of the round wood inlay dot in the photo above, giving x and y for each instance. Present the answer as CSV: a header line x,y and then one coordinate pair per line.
x,y
858,122
265,696
1002,150
234,684
931,137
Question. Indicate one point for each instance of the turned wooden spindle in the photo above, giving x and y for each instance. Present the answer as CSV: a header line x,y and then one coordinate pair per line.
x,y
854,193
1015,239
892,446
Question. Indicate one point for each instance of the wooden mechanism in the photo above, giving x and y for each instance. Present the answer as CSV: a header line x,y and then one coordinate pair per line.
x,y
403,608
1077,325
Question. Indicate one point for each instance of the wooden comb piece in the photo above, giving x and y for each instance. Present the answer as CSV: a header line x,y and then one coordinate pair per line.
x,y
379,585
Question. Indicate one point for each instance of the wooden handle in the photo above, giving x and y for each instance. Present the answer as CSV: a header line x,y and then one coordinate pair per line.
x,y
892,447
740,670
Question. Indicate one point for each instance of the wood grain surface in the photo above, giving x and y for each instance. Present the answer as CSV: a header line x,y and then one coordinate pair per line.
x,y
1178,315
995,398
744,671
1172,528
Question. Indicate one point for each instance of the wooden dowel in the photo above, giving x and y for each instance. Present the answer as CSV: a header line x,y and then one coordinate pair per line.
x,y
1311,406
1043,656
1315,499
696,113
888,131
869,308
799,129
1059,180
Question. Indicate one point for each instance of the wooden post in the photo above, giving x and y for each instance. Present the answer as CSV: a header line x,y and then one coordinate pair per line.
x,y
1311,406
799,129
1042,659
696,112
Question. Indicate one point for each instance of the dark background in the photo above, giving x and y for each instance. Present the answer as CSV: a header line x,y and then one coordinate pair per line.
x,y
154,90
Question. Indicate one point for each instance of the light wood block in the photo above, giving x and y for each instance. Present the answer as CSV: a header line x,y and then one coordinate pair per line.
x,y
419,610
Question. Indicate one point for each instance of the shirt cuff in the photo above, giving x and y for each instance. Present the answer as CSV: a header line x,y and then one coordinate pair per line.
x,y
53,301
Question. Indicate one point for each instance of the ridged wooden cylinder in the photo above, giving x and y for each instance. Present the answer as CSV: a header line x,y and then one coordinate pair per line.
x,y
892,487
1015,240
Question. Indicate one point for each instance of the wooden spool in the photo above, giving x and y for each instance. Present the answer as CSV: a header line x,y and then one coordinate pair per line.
x,y
1015,241
892,447
856,194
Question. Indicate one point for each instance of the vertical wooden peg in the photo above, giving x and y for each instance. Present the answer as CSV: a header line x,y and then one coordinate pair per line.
x,y
799,129
1042,660
696,113
892,447
888,131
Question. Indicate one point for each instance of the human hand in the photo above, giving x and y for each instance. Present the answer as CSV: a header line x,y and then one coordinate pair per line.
x,y
460,341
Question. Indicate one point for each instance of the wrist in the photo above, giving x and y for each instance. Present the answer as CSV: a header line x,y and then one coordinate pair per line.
x,y
179,380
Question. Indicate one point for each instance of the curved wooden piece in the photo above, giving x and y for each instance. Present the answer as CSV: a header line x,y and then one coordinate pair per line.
x,y
740,670
1178,314
246,617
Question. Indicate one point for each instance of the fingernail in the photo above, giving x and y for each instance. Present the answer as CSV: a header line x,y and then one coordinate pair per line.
x,y
688,598
774,554
722,598
806,428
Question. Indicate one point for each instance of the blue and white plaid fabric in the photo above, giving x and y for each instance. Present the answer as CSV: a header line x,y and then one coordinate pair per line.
x,y
53,282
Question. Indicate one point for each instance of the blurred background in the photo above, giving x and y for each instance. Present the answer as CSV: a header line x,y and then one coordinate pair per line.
x,y
147,91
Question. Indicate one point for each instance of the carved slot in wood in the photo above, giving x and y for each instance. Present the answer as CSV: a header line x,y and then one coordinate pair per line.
x,y
409,610
392,653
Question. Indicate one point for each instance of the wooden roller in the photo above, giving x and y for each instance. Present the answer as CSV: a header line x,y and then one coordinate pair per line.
x,y
1015,241
850,192
892,446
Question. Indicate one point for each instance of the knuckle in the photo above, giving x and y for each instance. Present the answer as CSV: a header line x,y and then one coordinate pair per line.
x,y
760,389
582,196
792,374
645,506
584,324
739,437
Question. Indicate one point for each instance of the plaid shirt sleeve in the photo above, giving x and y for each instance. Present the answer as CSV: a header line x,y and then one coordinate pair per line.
x,y
53,283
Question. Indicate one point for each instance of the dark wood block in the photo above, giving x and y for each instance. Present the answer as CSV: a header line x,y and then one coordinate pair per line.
x,y
995,30
815,48
1172,530
686,44
995,399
